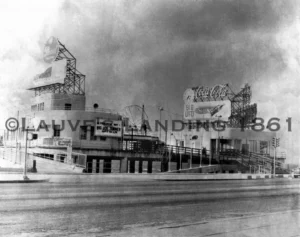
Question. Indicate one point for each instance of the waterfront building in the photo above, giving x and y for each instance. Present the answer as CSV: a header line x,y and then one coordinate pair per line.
x,y
221,121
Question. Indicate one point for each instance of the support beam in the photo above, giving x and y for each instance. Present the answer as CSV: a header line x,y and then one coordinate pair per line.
x,y
101,165
98,166
124,165
200,157
164,165
149,170
169,165
178,163
107,166
132,166
94,165
140,166
89,167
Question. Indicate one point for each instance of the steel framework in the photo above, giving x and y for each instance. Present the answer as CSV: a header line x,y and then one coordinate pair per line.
x,y
243,113
74,82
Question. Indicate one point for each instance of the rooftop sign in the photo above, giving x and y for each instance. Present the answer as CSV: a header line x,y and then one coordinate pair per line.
x,y
108,128
54,74
51,50
207,110
201,93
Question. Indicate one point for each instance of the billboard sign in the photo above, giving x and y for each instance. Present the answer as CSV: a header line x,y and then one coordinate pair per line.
x,y
201,93
62,141
57,141
54,74
108,128
51,50
208,110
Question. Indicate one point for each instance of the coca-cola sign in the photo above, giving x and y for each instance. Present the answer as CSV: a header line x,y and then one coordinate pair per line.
x,y
218,91
207,110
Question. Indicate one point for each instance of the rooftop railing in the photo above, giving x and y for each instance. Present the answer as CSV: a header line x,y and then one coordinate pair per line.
x,y
79,108
87,109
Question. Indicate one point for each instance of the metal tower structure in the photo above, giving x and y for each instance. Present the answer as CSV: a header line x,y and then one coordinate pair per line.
x,y
74,82
242,112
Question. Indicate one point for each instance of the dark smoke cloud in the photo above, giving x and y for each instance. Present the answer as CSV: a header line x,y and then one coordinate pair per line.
x,y
150,52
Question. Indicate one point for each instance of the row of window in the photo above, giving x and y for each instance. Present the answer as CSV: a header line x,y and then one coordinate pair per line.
x,y
38,107
83,134
56,133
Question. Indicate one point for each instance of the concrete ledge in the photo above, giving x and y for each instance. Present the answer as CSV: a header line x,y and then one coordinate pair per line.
x,y
24,181
13,170
124,177
238,176
18,178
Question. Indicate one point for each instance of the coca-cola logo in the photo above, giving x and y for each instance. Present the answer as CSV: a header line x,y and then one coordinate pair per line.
x,y
203,110
218,91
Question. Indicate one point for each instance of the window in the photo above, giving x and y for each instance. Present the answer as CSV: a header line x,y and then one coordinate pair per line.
x,y
43,125
38,107
93,137
68,106
33,107
83,132
56,131
102,138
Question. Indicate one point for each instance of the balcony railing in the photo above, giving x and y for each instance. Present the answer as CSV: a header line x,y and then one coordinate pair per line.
x,y
87,109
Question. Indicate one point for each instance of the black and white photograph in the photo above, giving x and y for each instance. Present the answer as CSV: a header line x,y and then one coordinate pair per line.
x,y
150,118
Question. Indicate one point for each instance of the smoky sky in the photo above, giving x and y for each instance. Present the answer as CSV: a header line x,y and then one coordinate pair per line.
x,y
149,52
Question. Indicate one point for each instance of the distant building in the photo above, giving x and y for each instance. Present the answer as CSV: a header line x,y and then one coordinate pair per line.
x,y
219,120
68,130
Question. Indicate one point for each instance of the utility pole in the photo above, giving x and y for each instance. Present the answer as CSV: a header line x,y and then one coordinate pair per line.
x,y
16,137
275,143
160,109
25,158
143,120
274,163
170,159
219,142
166,135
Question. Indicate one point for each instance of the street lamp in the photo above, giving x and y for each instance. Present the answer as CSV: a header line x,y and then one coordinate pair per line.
x,y
174,138
160,109
25,159
275,145
219,143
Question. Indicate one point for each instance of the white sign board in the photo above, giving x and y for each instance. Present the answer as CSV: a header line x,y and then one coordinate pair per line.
x,y
54,74
201,93
62,141
108,128
51,50
208,110
57,141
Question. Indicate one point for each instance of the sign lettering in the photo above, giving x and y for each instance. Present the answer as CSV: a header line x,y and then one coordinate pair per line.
x,y
218,91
